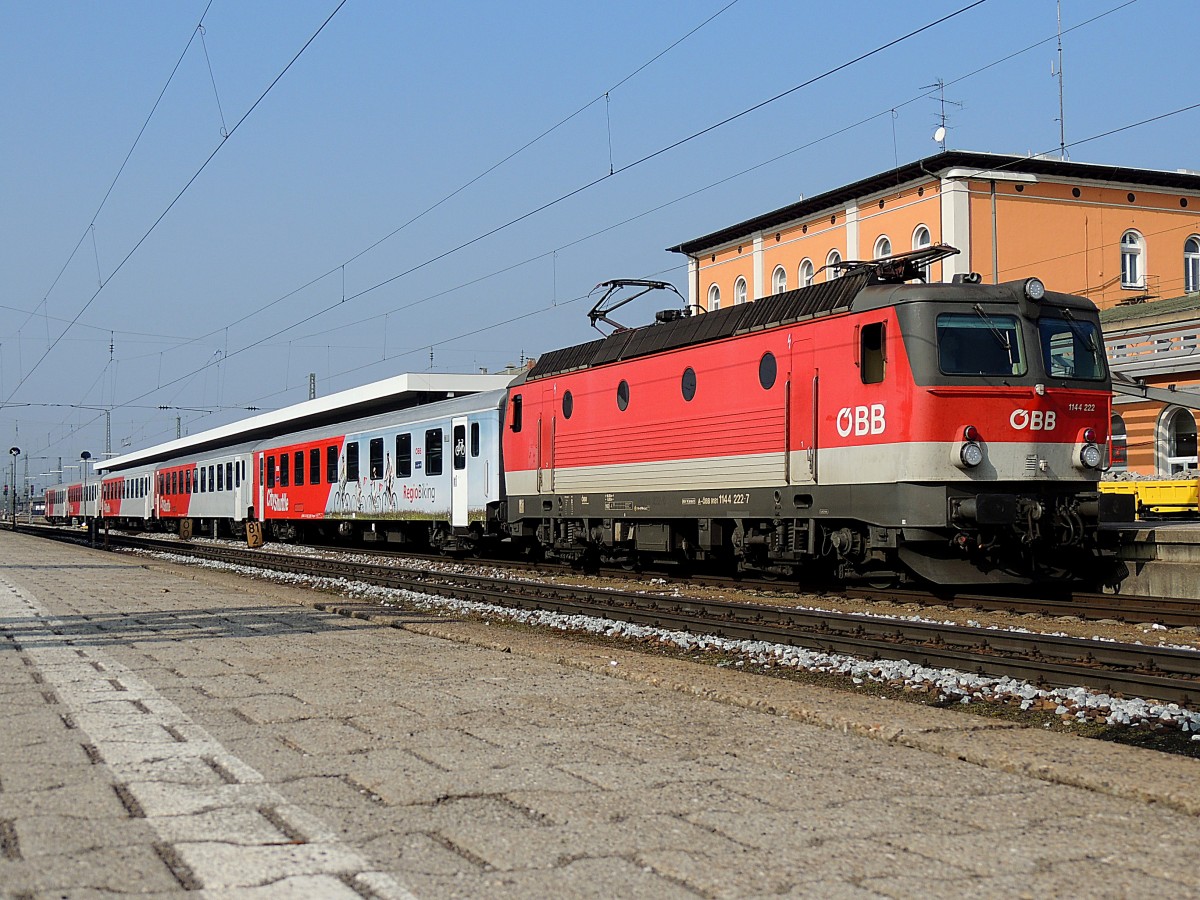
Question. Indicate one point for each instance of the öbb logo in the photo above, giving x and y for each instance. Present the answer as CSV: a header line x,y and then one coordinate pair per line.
x,y
860,420
1034,420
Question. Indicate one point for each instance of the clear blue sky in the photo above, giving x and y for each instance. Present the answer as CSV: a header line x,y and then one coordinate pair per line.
x,y
394,106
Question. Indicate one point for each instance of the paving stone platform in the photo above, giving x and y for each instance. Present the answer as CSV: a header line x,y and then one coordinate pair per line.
x,y
170,729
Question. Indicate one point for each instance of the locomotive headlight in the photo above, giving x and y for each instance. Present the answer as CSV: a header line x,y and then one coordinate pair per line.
x,y
1090,456
1034,289
971,454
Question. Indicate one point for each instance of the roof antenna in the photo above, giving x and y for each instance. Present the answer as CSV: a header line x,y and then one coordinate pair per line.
x,y
1062,119
939,134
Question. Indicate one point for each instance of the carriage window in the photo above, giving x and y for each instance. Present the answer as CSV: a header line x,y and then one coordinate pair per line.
x,y
314,465
331,464
474,439
376,448
270,471
229,476
433,451
404,455
284,470
979,343
220,477
871,353
515,413
298,468
189,480
201,480
460,446
211,483
352,461
1071,349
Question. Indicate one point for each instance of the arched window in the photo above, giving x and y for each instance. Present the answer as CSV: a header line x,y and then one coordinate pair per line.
x,y
806,273
1133,262
714,298
1191,264
883,247
920,240
1118,444
739,291
830,261
779,280
1176,441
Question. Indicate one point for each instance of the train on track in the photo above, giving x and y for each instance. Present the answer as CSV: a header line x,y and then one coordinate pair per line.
x,y
871,426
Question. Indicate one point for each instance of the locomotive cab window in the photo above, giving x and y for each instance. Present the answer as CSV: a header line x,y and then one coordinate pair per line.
x,y
979,343
1071,348
871,354
515,413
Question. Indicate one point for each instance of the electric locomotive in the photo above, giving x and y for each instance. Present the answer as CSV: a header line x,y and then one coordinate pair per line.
x,y
867,426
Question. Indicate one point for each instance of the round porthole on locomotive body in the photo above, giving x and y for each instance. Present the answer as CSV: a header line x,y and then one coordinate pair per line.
x,y
767,370
687,384
623,395
568,405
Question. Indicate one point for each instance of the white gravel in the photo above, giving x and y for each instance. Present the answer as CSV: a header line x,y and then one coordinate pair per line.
x,y
945,685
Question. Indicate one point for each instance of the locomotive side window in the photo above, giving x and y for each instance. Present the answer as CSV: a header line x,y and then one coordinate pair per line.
x,y
1071,349
331,464
687,384
298,468
433,451
474,439
376,448
568,405
979,343
459,449
515,414
270,471
404,455
871,353
623,396
352,461
767,371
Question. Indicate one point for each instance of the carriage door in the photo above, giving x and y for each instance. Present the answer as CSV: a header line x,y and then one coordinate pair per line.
x,y
459,506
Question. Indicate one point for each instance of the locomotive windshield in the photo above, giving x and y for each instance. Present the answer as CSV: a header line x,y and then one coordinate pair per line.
x,y
1071,348
979,344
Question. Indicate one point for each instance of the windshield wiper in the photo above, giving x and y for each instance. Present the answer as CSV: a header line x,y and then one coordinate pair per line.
x,y
1088,337
999,335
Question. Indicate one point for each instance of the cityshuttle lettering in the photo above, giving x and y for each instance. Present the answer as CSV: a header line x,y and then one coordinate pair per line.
x,y
1034,420
860,420
277,502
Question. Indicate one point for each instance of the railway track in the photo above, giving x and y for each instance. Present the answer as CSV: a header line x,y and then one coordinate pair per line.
x,y
1166,674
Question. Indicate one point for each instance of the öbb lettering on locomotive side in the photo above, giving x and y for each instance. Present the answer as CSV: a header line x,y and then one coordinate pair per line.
x,y
870,426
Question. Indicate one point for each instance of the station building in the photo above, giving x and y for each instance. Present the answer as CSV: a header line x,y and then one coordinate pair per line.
x,y
1128,239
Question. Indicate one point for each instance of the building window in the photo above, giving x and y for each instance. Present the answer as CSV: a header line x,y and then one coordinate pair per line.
x,y
806,273
714,298
1133,261
831,262
739,291
779,280
1118,444
1180,428
883,247
1191,264
920,240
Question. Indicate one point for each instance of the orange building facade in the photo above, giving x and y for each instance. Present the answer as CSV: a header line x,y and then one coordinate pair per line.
x,y
1122,237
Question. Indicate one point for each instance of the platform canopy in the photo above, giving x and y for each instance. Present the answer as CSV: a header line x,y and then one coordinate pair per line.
x,y
399,392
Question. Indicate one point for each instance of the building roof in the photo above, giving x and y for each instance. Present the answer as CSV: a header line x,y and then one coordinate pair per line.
x,y
1131,314
935,167
399,392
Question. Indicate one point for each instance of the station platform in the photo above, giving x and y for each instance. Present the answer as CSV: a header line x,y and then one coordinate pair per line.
x,y
1163,558
172,729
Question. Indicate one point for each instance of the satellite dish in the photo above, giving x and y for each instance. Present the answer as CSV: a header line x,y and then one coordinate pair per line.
x,y
940,134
